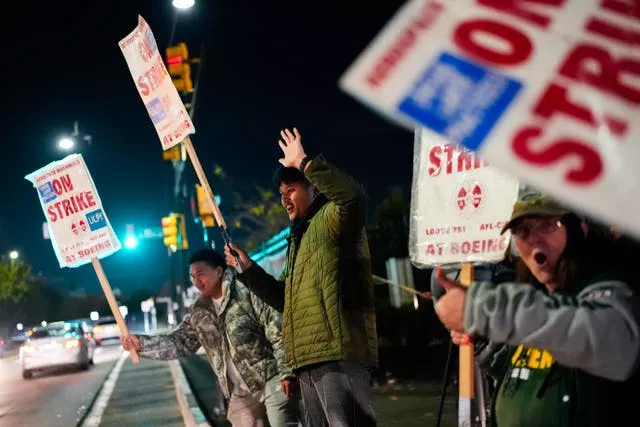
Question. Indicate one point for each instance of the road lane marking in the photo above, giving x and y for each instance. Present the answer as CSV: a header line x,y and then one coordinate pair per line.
x,y
94,417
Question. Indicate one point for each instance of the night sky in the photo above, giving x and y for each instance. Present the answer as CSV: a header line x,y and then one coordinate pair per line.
x,y
267,65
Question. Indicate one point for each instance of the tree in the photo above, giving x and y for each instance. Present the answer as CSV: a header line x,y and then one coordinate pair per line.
x,y
256,212
389,231
15,282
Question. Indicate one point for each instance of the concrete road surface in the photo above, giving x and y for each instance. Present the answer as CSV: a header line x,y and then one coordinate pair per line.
x,y
53,399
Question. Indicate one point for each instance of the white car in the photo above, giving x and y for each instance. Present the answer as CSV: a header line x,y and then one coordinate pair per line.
x,y
58,344
106,330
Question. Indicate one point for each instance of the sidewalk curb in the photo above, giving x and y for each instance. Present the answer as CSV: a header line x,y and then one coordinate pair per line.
x,y
189,408
96,407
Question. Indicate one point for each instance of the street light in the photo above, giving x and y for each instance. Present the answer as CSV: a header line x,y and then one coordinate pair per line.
x,y
66,143
183,4
14,255
130,242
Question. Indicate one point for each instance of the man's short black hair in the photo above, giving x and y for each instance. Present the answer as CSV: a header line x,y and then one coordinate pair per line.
x,y
212,258
289,175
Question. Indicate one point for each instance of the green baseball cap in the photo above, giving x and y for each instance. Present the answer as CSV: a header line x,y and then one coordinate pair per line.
x,y
532,203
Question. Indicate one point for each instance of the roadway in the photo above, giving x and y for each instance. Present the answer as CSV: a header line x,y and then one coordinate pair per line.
x,y
52,399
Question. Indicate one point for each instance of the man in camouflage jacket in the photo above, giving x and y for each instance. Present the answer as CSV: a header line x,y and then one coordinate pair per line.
x,y
242,339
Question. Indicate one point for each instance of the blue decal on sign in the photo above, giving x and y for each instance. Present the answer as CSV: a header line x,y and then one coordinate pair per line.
x,y
459,99
156,112
46,192
96,220
150,41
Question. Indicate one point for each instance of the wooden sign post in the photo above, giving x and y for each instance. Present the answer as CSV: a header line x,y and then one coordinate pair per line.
x,y
113,304
466,380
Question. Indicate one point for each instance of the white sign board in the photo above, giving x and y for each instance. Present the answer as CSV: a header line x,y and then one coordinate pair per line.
x,y
459,205
160,97
548,91
78,225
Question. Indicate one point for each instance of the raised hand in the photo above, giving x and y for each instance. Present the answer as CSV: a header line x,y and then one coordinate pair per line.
x,y
291,145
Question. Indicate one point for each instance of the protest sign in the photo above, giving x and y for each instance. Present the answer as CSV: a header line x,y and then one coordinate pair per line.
x,y
166,110
545,90
78,226
79,229
459,205
160,97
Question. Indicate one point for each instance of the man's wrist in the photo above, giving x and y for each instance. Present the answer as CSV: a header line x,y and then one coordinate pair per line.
x,y
304,163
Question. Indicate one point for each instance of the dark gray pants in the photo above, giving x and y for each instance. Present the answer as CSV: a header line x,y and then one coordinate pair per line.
x,y
336,394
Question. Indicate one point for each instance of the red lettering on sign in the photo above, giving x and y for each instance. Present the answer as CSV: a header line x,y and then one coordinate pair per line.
x,y
72,205
623,7
152,79
62,184
520,47
518,9
94,249
555,100
627,36
527,148
478,246
579,67
403,44
435,249
456,160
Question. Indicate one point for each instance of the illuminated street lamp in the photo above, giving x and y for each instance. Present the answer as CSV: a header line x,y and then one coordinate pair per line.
x,y
130,242
183,4
66,143
14,255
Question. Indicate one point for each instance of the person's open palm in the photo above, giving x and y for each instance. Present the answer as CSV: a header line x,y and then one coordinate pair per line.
x,y
291,144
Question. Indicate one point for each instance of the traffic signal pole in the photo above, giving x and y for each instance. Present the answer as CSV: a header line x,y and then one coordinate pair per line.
x,y
179,68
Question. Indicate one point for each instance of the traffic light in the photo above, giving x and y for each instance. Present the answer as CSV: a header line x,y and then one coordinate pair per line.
x,y
174,231
170,231
173,153
205,207
180,67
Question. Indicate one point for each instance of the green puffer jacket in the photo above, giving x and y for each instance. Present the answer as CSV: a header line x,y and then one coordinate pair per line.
x,y
326,290
246,327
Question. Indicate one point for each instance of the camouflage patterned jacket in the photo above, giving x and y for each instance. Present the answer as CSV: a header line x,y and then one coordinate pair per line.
x,y
246,327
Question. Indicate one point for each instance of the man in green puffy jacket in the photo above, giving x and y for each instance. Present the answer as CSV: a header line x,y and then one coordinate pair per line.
x,y
326,290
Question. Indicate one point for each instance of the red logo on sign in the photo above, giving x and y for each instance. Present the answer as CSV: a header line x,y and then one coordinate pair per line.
x,y
79,227
477,196
462,198
145,51
469,197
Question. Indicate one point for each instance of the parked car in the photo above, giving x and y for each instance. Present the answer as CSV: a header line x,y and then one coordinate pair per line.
x,y
58,344
106,330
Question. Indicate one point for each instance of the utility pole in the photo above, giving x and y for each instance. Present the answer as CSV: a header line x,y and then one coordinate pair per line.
x,y
179,67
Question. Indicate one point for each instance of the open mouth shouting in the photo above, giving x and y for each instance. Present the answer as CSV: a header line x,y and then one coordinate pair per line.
x,y
290,208
540,258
